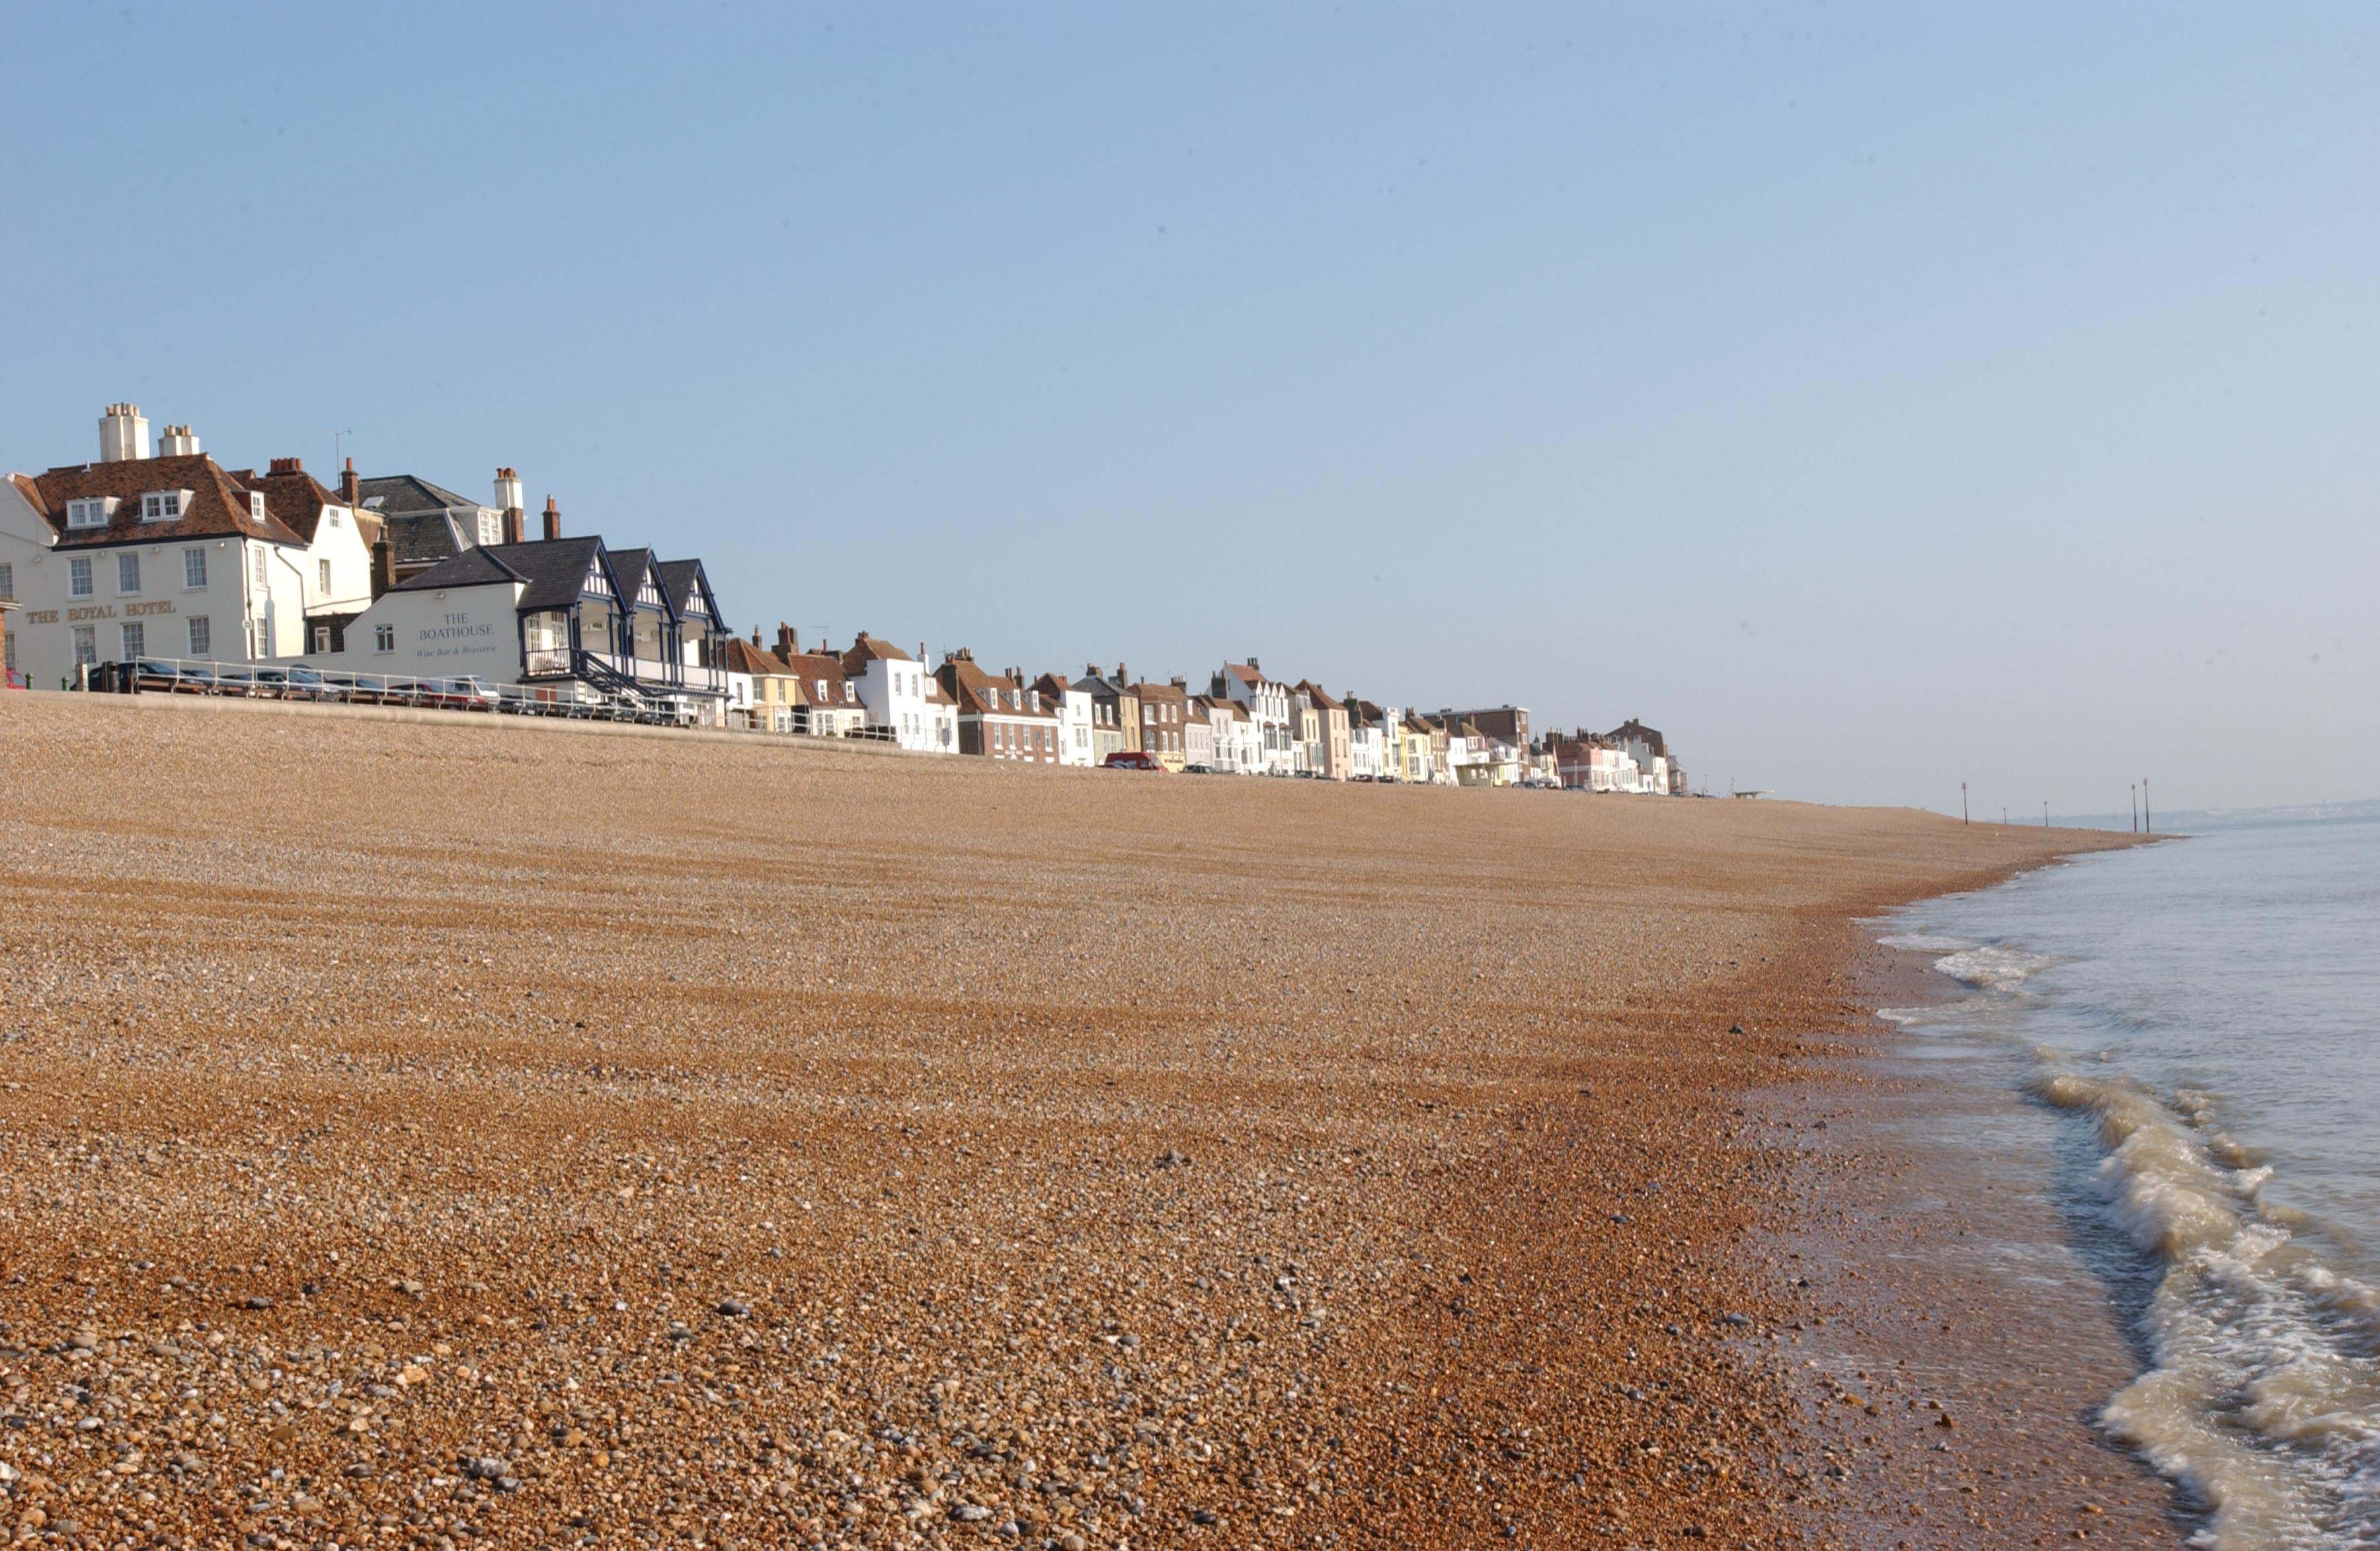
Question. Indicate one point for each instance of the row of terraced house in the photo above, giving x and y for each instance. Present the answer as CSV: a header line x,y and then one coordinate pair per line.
x,y
165,554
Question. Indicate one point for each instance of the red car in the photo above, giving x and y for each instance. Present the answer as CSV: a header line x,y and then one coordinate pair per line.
x,y
1133,759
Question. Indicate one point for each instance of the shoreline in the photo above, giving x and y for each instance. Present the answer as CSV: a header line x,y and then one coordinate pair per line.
x,y
1964,1351
820,1151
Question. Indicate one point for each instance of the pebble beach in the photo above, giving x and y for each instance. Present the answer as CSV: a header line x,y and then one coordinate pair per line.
x,y
452,1132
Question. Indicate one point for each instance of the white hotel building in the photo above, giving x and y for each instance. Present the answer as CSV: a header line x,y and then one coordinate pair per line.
x,y
171,556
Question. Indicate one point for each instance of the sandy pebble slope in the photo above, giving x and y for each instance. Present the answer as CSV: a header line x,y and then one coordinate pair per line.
x,y
464,1133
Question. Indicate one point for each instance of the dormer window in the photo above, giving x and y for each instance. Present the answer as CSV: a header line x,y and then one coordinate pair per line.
x,y
91,512
166,505
256,504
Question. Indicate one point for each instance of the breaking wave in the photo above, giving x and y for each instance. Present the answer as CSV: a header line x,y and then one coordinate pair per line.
x,y
2262,1396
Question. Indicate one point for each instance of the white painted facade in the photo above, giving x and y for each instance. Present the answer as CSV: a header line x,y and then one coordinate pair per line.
x,y
1266,701
1364,760
1073,708
221,599
435,633
893,691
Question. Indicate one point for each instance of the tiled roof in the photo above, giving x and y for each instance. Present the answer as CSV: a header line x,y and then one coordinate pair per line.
x,y
681,580
740,656
394,493
554,569
1649,737
631,566
1321,696
471,569
812,666
866,648
217,507
973,689
294,496
422,538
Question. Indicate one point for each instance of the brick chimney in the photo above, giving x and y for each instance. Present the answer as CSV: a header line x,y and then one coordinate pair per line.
x,y
788,644
508,501
1123,675
553,520
383,567
514,525
756,638
289,466
351,490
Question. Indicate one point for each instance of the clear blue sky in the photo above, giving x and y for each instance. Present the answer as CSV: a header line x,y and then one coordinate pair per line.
x,y
1873,397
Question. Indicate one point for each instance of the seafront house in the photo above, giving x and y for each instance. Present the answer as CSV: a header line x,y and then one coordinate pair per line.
x,y
829,706
1329,755
1164,708
1650,753
1305,734
1508,724
1380,732
339,537
893,686
1234,735
427,524
941,717
1198,735
1363,743
1266,701
1115,711
1073,705
763,692
554,614
163,556
1000,716
702,630
1417,753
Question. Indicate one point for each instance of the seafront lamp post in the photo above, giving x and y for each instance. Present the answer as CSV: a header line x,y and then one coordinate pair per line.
x,y
1963,802
2147,827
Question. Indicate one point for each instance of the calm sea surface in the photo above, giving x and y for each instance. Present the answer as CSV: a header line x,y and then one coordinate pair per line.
x,y
2203,1019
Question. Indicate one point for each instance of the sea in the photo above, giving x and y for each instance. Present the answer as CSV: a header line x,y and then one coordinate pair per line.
x,y
2196,1027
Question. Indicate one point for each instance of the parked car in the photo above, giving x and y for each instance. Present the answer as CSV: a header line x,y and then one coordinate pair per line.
x,y
186,678
1200,769
464,694
1133,759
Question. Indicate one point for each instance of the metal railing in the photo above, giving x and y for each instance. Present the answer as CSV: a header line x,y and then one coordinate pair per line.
x,y
572,700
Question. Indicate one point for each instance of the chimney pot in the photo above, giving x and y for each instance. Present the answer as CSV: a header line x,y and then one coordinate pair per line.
x,y
351,490
123,434
289,466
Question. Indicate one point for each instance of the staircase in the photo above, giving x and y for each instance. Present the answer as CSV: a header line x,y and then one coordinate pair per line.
x,y
593,670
